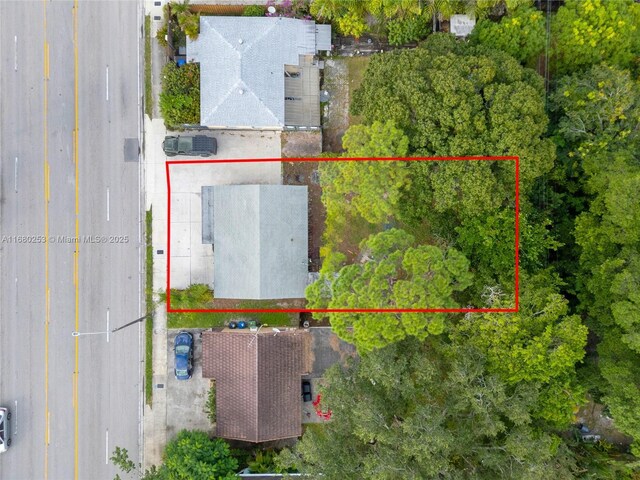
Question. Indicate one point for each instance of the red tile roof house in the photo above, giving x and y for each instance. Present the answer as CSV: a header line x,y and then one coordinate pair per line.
x,y
258,381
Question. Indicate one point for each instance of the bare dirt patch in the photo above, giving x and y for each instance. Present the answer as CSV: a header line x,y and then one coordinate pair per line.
x,y
342,76
595,418
306,173
301,144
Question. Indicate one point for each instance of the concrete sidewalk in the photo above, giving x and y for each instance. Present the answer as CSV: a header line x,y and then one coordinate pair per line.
x,y
155,417
231,145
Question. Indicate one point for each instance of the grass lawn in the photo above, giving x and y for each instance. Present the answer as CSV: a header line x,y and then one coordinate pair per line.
x,y
200,297
148,95
208,320
316,427
342,76
356,67
148,323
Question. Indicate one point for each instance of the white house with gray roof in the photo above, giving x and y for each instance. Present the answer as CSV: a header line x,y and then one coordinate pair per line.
x,y
259,72
260,240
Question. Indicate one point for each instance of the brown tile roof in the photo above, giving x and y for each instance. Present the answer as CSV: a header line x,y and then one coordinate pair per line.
x,y
257,382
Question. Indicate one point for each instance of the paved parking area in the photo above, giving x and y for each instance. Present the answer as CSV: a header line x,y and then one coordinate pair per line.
x,y
191,261
326,350
186,399
239,143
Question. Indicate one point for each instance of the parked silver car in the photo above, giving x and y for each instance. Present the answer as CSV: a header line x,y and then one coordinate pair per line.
x,y
5,429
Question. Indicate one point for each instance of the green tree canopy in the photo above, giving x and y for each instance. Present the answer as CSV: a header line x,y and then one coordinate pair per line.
x,y
521,34
391,272
373,187
620,368
598,118
597,110
428,410
541,343
454,99
609,234
192,455
588,32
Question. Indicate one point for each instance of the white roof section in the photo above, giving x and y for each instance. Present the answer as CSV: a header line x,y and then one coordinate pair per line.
x,y
461,25
260,240
242,66
323,37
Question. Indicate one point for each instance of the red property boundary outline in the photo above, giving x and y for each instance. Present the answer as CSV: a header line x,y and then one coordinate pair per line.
x,y
515,309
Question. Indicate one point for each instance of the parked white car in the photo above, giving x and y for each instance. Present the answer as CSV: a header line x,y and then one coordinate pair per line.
x,y
5,429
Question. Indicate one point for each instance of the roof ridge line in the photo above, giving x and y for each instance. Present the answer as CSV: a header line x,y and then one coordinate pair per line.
x,y
257,398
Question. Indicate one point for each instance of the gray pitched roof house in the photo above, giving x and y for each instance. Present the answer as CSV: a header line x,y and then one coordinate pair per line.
x,y
243,65
257,382
260,240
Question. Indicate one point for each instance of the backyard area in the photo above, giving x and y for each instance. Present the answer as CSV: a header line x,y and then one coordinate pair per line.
x,y
342,75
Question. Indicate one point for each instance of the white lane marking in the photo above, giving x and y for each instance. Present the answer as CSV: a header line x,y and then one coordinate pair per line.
x,y
107,204
106,448
15,58
108,325
15,416
107,86
15,175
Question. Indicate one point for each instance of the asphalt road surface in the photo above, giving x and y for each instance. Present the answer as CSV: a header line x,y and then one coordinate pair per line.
x,y
70,236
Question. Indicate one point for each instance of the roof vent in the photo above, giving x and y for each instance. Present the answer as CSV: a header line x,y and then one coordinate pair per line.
x,y
241,91
240,41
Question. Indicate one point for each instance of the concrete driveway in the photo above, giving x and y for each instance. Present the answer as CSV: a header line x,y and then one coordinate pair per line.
x,y
191,260
238,143
186,399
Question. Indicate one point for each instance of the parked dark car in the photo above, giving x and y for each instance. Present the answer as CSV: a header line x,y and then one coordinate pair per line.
x,y
183,349
198,145
306,391
5,429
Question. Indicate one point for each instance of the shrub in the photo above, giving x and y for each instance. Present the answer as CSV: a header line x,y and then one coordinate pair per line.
x,y
410,29
254,11
180,96
161,34
521,34
210,406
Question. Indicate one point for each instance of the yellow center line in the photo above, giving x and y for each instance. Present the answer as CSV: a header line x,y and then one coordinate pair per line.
x,y
77,244
46,246
46,60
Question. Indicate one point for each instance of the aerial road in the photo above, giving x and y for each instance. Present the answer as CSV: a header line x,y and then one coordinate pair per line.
x,y
70,236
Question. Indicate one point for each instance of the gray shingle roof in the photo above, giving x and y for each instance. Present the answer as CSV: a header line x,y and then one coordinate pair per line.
x,y
242,67
260,240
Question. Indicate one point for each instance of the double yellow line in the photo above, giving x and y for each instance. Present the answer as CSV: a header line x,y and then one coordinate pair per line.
x,y
47,195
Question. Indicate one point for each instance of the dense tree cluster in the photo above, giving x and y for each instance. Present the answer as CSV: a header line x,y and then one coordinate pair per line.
x,y
452,99
473,396
599,123
430,410
403,21
587,32
393,272
191,455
